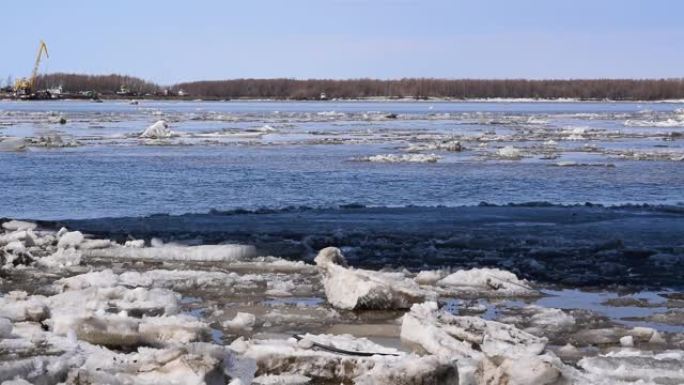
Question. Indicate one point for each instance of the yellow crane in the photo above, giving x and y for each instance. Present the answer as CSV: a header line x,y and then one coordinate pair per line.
x,y
24,85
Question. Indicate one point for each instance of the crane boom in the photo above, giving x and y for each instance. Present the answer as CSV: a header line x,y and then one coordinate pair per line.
x,y
26,85
42,48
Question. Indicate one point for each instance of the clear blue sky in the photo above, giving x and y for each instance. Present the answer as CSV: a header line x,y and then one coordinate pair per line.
x,y
170,41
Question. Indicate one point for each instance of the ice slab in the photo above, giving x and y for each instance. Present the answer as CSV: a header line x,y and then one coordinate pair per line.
x,y
158,130
356,289
204,253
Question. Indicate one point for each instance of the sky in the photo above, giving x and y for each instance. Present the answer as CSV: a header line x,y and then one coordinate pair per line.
x,y
172,41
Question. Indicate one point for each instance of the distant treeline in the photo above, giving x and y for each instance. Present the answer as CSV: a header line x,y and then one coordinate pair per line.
x,y
103,84
596,89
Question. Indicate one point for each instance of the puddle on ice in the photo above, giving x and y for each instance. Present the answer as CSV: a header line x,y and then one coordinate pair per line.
x,y
296,301
574,299
595,301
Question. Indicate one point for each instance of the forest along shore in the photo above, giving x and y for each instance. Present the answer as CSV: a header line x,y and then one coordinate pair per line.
x,y
117,86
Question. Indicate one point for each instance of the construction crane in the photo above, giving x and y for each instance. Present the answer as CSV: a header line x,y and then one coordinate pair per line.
x,y
24,85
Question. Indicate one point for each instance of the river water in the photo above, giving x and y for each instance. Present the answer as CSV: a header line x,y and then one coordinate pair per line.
x,y
228,155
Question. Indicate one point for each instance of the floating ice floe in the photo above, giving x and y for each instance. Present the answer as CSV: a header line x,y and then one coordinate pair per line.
x,y
84,363
486,282
355,289
18,307
403,158
509,152
243,322
51,140
212,253
319,358
570,163
541,321
284,379
176,279
159,130
574,133
445,145
411,370
265,129
633,366
114,316
268,282
676,156
273,265
655,123
15,225
62,258
70,239
549,319
484,351
12,144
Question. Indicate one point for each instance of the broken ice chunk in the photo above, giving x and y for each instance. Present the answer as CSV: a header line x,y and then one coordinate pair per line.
x,y
15,225
159,130
243,322
70,239
357,289
491,282
636,367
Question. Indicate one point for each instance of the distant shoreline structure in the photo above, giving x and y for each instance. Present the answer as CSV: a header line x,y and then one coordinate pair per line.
x,y
114,86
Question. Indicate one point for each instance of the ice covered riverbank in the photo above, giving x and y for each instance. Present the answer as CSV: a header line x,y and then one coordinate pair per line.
x,y
81,309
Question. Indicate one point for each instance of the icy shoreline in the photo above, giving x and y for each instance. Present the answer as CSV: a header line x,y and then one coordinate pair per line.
x,y
78,309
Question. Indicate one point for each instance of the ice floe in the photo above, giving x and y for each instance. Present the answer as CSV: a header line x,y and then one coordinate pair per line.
x,y
214,253
158,130
354,289
403,158
509,152
15,225
638,367
318,358
484,351
487,282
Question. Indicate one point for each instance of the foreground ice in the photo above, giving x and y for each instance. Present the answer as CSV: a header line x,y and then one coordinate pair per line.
x,y
487,282
355,289
364,363
632,366
485,351
103,313
206,253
